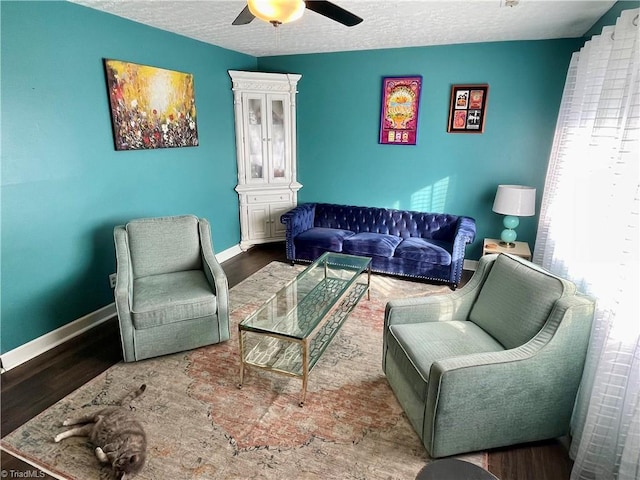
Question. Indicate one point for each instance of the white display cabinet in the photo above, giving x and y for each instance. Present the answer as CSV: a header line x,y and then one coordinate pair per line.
x,y
265,117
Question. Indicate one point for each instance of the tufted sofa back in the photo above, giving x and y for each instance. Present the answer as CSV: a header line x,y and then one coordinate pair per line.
x,y
405,224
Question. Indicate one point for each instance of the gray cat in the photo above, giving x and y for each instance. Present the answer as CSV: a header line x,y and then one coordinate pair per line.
x,y
118,437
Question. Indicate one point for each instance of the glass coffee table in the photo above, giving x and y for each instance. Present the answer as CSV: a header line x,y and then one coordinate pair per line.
x,y
291,331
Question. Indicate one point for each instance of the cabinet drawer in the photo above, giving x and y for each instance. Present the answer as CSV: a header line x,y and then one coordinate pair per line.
x,y
269,198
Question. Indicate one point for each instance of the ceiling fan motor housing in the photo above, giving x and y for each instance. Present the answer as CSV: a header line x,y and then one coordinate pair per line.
x,y
277,11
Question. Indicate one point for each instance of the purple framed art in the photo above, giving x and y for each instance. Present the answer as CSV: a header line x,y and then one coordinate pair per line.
x,y
399,116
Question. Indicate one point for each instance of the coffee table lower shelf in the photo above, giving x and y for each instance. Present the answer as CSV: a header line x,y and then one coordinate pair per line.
x,y
296,357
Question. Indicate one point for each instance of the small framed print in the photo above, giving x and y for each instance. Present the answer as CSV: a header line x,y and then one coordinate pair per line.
x,y
468,108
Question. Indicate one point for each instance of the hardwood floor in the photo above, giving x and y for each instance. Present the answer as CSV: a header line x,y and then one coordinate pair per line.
x,y
34,386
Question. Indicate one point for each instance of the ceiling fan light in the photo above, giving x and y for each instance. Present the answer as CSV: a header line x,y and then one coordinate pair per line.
x,y
278,11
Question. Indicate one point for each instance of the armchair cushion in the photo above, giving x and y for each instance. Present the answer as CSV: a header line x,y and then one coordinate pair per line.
x,y
421,249
429,342
371,244
152,254
171,297
507,299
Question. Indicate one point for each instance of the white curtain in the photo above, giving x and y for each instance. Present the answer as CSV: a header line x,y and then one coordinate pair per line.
x,y
588,232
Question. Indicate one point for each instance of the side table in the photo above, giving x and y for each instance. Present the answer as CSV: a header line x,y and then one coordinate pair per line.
x,y
492,245
453,469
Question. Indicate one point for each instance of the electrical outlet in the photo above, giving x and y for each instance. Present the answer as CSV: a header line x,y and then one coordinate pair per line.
x,y
112,280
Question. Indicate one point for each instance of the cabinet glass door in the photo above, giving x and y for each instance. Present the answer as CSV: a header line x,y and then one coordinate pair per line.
x,y
255,139
278,141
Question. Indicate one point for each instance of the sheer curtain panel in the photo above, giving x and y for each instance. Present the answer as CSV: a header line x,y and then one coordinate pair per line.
x,y
588,232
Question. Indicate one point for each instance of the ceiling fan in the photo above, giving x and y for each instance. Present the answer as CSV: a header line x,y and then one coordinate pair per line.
x,y
278,12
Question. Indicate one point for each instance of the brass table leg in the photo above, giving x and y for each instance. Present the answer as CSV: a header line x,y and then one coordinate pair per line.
x,y
305,371
241,338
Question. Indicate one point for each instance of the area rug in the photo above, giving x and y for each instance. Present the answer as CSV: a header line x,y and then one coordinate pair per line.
x,y
200,425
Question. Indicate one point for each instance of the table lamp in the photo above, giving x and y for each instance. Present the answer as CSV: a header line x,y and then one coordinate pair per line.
x,y
513,201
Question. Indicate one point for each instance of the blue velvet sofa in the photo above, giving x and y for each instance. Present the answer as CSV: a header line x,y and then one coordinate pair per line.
x,y
428,246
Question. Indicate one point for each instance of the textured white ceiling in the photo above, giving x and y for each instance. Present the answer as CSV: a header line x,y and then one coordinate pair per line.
x,y
387,24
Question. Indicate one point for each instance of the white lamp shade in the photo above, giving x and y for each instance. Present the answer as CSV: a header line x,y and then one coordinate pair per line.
x,y
279,11
515,200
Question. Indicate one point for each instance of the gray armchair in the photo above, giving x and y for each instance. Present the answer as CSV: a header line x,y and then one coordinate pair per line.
x,y
495,363
171,293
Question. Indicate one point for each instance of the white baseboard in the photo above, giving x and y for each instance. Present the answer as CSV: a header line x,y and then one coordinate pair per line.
x,y
46,342
225,255
40,345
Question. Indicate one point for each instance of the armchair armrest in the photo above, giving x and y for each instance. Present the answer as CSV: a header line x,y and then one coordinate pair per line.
x,y
524,394
216,277
439,307
123,291
296,221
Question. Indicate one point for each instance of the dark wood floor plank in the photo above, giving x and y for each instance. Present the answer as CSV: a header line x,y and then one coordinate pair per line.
x,y
31,388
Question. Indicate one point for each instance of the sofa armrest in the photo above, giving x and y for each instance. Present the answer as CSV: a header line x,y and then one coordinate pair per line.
x,y
298,220
526,393
123,291
216,277
465,233
465,230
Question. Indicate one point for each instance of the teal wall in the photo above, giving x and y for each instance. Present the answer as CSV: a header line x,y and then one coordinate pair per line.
x,y
341,161
64,186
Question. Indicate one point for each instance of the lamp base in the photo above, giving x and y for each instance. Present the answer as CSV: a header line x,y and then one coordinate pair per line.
x,y
509,235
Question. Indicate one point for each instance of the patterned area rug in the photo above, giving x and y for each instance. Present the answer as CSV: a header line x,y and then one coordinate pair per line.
x,y
201,426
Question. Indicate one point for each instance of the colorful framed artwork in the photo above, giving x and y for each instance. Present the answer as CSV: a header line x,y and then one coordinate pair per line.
x,y
400,104
468,108
150,107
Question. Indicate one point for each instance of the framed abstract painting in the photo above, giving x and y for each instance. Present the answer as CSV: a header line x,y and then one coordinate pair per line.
x,y
467,108
399,112
150,107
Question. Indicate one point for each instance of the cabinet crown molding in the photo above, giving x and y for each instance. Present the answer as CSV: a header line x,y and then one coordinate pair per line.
x,y
262,81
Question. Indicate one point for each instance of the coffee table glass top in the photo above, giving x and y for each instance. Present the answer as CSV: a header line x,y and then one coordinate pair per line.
x,y
298,308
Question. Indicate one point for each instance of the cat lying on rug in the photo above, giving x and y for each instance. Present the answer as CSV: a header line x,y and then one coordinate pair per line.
x,y
118,437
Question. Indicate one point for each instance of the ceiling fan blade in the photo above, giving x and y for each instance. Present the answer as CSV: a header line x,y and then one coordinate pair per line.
x,y
245,17
334,12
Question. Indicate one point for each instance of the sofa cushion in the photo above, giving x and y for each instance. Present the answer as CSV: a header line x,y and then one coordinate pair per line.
x,y
325,238
515,301
371,244
416,346
422,250
172,297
